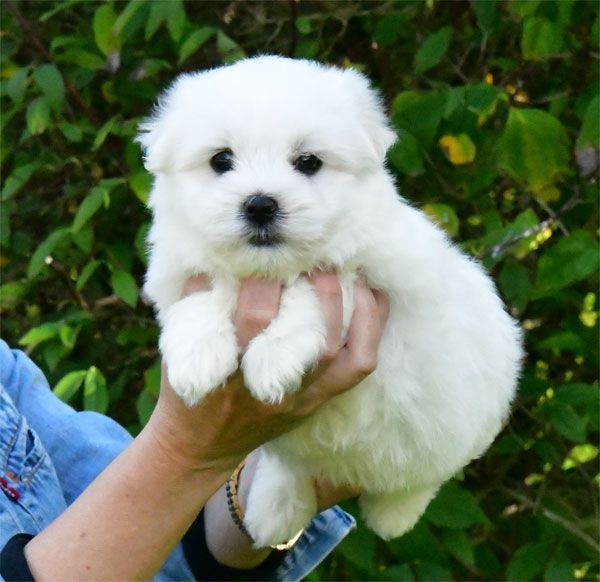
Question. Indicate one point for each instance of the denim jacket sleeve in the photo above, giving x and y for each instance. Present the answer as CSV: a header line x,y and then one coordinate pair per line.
x,y
81,444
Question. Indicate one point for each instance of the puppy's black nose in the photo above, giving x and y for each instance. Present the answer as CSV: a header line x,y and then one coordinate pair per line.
x,y
260,209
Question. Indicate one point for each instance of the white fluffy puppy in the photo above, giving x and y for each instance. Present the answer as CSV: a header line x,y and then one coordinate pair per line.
x,y
273,166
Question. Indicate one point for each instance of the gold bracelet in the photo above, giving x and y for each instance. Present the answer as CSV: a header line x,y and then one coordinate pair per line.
x,y
237,515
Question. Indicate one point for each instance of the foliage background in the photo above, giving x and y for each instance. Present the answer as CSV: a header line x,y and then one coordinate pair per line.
x,y
497,108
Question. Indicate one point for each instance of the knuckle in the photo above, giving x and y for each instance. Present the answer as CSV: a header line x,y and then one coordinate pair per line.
x,y
328,285
365,365
329,354
257,318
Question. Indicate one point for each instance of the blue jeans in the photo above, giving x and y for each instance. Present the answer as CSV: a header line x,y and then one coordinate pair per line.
x,y
49,454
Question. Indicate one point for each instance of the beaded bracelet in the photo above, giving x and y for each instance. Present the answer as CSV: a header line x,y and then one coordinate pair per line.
x,y
233,503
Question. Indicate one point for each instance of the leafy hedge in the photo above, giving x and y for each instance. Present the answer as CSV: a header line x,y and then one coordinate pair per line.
x,y
497,109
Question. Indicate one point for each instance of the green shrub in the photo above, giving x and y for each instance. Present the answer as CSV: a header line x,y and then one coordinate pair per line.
x,y
497,108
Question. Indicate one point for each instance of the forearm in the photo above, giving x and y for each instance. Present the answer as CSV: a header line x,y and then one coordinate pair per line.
x,y
128,521
226,542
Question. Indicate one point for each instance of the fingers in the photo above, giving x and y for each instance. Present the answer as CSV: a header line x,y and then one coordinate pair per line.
x,y
258,304
358,358
366,327
196,283
329,293
329,494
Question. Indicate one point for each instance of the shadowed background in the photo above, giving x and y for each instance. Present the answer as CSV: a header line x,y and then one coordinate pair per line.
x,y
497,111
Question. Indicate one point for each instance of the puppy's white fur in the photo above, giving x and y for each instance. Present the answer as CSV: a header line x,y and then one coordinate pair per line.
x,y
450,355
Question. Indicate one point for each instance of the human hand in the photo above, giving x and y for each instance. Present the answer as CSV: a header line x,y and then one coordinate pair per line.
x,y
229,423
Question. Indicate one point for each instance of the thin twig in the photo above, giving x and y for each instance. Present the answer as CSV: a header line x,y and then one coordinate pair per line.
x,y
498,250
554,517
62,271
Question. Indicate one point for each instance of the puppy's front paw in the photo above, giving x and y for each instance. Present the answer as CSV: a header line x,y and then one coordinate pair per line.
x,y
270,371
280,504
276,359
200,352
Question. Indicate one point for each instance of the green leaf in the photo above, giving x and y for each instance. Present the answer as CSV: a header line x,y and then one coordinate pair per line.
x,y
486,14
435,572
38,116
359,549
95,392
53,353
444,216
18,178
418,544
68,335
528,561
141,184
460,546
523,8
84,238
90,205
130,10
303,25
584,395
515,284
589,136
17,84
419,113
152,379
405,155
68,385
563,341
559,568
40,334
109,127
397,573
82,58
145,406
567,422
11,294
572,259
104,21
483,99
534,148
431,52
38,259
71,131
86,273
125,287
229,49
158,14
194,41
176,19
389,29
455,507
50,82
140,242
541,38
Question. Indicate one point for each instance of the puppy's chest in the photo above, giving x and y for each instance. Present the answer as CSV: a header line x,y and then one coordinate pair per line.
x,y
355,438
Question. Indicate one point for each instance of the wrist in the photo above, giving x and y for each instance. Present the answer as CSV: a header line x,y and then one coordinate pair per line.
x,y
183,448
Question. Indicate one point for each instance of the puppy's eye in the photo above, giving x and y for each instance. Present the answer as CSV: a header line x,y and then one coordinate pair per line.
x,y
308,164
222,161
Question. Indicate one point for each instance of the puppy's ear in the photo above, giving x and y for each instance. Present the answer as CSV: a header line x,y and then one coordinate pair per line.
x,y
377,131
154,144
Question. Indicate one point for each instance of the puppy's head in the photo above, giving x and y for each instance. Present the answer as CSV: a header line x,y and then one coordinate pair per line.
x,y
263,160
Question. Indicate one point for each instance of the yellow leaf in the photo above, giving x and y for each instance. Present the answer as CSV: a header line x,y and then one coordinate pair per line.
x,y
459,149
